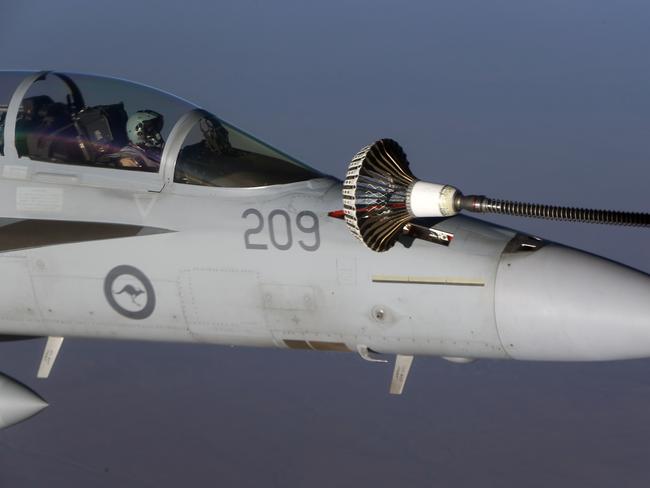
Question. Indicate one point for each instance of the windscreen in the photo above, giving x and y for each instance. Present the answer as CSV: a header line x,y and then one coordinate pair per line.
x,y
216,153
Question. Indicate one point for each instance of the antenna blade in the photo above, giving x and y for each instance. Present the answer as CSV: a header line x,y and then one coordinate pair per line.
x,y
52,347
400,373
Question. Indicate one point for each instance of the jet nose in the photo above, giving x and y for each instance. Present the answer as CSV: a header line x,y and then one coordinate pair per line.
x,y
556,303
17,402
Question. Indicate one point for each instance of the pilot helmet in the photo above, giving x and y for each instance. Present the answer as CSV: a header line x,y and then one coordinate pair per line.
x,y
215,135
143,129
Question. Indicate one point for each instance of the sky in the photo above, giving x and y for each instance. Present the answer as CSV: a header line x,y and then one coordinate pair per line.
x,y
538,101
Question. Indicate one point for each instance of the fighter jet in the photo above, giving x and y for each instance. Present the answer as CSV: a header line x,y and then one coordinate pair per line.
x,y
128,213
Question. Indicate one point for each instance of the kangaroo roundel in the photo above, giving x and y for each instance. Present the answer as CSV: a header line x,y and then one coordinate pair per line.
x,y
129,292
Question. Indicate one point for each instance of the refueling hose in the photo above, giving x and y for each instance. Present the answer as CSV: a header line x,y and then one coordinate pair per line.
x,y
483,204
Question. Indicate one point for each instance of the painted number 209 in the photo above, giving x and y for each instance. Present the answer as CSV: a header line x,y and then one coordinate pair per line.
x,y
280,230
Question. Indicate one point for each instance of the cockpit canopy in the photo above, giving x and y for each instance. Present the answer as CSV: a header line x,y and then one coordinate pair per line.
x,y
77,119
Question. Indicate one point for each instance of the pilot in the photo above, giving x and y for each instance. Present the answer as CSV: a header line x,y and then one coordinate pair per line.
x,y
215,136
211,158
145,141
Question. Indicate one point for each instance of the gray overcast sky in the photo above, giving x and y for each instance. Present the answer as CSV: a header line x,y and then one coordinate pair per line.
x,y
543,101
